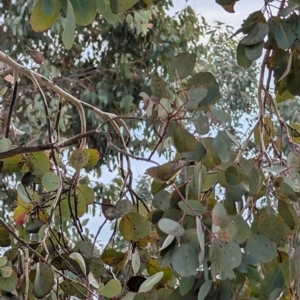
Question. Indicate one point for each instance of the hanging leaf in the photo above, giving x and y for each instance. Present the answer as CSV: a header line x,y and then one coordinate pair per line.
x,y
69,30
184,141
183,64
104,9
120,6
44,280
242,58
79,259
84,11
50,181
148,284
170,227
254,52
185,260
219,215
233,177
44,16
112,289
78,159
133,227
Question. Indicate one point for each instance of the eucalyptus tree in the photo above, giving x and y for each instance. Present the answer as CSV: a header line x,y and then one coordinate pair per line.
x,y
88,83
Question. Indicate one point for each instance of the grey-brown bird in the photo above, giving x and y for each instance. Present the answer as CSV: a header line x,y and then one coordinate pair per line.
x,y
168,171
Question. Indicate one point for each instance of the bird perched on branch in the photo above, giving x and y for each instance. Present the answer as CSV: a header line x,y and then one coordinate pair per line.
x,y
168,171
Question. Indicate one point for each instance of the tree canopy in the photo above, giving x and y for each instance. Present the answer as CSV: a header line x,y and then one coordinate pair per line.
x,y
89,83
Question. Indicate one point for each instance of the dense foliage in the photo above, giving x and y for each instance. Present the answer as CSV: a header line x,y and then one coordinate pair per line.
x,y
88,83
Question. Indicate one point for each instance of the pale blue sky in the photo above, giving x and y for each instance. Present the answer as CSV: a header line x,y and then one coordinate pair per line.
x,y
212,11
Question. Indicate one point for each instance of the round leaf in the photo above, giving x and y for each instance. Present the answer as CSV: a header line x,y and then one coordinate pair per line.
x,y
260,248
184,64
233,177
133,227
50,181
84,11
170,227
78,159
185,260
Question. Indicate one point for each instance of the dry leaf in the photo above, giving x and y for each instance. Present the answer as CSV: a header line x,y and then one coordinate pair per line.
x,y
36,56
9,78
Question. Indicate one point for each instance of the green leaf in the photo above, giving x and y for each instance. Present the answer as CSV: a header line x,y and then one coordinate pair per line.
x,y
133,227
219,215
78,159
112,289
49,6
254,182
288,214
93,157
85,194
185,260
121,208
184,64
79,259
3,261
194,98
275,169
38,163
6,272
204,289
293,83
9,284
233,177
242,58
222,146
14,163
253,52
284,35
84,11
186,283
205,80
192,207
34,225
224,258
148,284
120,6
69,30
162,200
42,19
44,280
202,125
221,115
260,249
237,229
257,34
104,9
27,195
288,9
170,227
112,257
158,86
273,281
272,227
50,181
184,141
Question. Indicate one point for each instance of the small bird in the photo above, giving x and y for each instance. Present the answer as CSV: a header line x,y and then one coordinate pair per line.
x,y
168,171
